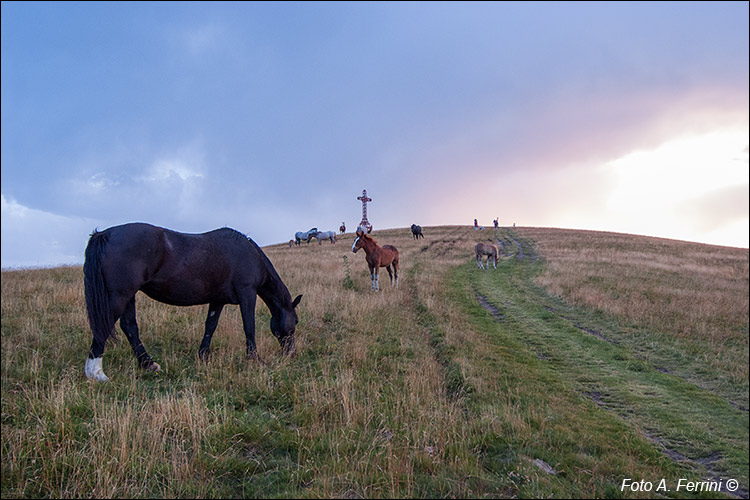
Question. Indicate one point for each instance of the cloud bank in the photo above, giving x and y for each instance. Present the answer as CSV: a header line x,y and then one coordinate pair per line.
x,y
272,117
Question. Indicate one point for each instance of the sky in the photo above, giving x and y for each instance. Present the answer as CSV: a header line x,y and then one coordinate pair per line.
x,y
272,118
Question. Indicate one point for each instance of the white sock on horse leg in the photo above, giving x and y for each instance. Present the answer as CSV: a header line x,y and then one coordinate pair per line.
x,y
94,371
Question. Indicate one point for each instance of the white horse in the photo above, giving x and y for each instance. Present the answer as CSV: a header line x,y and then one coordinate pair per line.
x,y
326,235
482,249
307,235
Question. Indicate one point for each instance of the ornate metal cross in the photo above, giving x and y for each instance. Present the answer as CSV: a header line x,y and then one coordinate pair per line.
x,y
364,199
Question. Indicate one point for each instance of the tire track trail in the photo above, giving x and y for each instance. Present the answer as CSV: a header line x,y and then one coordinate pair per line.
x,y
524,250
600,367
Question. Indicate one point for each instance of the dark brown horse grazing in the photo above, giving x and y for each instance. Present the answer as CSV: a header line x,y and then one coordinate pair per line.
x,y
215,268
482,249
377,257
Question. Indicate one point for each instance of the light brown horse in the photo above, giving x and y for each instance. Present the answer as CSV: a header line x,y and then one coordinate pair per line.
x,y
377,257
482,249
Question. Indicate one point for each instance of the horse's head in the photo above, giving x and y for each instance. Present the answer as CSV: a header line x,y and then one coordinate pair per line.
x,y
283,325
359,241
363,240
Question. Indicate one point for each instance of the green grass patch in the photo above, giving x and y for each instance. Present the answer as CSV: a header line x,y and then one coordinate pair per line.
x,y
607,387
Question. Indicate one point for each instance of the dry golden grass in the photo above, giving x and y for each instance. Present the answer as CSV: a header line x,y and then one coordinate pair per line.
x,y
367,408
355,325
696,293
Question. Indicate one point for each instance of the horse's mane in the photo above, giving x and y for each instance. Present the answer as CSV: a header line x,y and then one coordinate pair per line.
x,y
273,278
240,236
367,236
237,234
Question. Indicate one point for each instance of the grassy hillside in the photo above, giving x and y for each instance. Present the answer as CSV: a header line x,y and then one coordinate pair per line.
x,y
584,359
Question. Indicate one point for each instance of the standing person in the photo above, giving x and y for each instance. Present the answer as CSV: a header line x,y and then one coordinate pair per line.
x,y
475,225
495,222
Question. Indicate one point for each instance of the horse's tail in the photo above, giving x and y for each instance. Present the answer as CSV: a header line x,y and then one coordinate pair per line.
x,y
97,299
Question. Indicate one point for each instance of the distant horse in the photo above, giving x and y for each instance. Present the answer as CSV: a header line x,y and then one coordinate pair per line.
x,y
215,268
342,228
307,235
377,257
482,249
326,235
416,231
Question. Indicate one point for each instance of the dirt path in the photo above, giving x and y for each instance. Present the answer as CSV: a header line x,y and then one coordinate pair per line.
x,y
618,380
524,250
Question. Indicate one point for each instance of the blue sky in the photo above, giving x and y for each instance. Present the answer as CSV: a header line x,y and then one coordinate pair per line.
x,y
272,117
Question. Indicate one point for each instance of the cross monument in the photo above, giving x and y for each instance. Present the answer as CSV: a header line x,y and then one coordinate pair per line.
x,y
364,198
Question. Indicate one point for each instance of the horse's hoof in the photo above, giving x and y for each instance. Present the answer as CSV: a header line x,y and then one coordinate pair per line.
x,y
93,370
255,357
98,377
